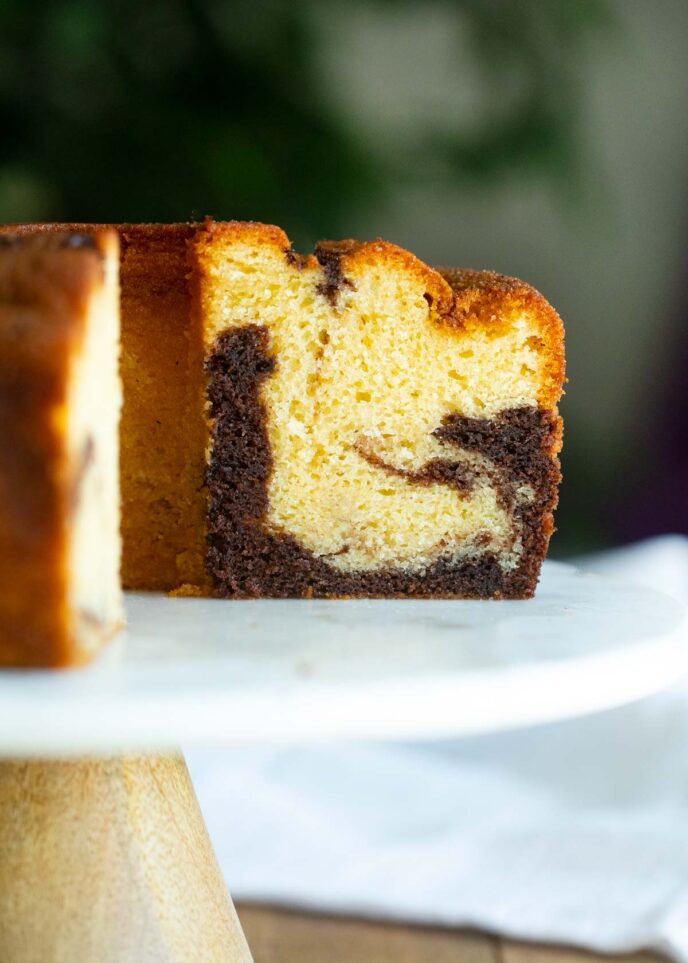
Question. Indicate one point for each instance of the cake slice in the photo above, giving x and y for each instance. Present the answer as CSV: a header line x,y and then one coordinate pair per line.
x,y
349,423
377,428
60,596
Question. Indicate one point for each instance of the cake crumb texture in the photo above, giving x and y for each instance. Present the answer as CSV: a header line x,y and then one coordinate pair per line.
x,y
363,357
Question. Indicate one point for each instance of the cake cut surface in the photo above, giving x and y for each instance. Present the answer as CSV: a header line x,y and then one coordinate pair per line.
x,y
60,395
377,428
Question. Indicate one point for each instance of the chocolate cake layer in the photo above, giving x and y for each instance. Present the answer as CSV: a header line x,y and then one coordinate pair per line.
x,y
246,559
329,255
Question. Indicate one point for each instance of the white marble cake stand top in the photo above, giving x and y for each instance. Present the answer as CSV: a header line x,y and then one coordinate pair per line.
x,y
205,671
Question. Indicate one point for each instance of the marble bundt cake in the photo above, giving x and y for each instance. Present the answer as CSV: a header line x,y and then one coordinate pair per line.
x,y
60,396
347,423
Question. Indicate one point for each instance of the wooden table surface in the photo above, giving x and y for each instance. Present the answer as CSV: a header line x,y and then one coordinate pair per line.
x,y
282,936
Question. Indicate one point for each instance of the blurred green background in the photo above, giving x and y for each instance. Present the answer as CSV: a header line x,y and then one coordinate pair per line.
x,y
542,138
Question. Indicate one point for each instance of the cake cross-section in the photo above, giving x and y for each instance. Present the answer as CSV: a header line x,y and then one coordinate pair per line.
x,y
60,398
376,428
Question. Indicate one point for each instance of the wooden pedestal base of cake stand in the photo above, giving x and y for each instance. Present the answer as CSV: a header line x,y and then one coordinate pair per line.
x,y
105,858
109,860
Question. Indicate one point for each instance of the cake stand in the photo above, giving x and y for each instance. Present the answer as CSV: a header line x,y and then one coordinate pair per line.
x,y
103,852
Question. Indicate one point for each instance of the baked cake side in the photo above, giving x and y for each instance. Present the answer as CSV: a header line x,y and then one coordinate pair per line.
x,y
163,428
164,432
60,397
377,428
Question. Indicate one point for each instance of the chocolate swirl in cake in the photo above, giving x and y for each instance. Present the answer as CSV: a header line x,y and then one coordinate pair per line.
x,y
245,558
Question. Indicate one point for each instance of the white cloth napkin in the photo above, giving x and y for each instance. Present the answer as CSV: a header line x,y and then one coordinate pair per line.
x,y
575,832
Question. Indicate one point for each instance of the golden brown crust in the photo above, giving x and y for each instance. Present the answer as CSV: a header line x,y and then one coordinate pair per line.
x,y
250,232
151,232
45,284
163,429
